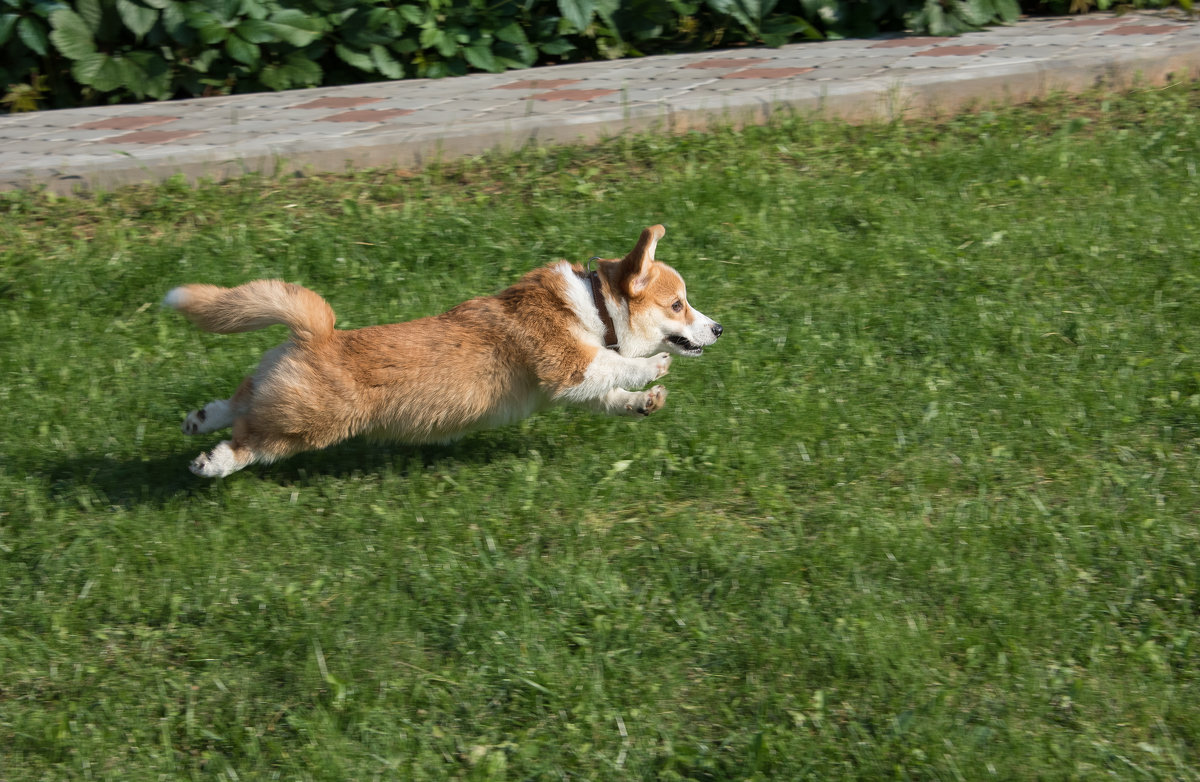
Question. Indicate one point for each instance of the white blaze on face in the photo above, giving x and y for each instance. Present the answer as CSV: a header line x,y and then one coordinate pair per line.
x,y
662,312
701,331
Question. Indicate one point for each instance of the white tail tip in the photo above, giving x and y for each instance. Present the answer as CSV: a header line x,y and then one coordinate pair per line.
x,y
175,298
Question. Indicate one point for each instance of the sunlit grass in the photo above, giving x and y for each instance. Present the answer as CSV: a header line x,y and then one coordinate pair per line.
x,y
927,510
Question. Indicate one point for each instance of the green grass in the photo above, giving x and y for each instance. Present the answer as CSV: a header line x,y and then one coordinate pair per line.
x,y
928,510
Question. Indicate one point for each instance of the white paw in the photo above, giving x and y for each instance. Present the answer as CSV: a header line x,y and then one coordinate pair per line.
x,y
193,422
217,463
661,363
210,418
649,402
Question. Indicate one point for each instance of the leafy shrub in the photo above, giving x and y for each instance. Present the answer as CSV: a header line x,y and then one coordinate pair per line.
x,y
92,51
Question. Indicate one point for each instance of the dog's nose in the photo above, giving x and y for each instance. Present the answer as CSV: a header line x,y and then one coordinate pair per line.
x,y
717,329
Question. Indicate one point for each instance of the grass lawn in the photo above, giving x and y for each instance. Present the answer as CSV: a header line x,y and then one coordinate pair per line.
x,y
930,509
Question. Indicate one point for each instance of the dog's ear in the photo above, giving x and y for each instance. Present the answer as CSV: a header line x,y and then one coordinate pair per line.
x,y
635,267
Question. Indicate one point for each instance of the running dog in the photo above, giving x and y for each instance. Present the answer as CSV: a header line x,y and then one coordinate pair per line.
x,y
560,334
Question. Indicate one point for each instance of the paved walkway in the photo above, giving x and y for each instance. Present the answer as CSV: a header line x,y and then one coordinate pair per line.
x,y
406,123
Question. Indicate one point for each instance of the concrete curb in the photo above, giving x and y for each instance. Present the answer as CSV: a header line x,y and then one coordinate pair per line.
x,y
698,102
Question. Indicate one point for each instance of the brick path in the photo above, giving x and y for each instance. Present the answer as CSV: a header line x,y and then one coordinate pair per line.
x,y
406,123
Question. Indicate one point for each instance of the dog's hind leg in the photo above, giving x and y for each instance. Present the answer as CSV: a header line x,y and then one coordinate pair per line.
x,y
242,450
227,458
213,416
251,443
220,413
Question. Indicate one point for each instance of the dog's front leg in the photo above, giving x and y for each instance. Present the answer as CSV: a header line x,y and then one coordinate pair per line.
x,y
635,403
603,384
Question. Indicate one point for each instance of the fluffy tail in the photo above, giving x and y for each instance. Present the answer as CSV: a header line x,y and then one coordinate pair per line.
x,y
255,305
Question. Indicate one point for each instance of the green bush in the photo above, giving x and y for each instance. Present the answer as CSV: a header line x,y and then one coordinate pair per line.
x,y
98,51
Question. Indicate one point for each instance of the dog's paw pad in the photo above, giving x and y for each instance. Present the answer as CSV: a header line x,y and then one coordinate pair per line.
x,y
655,399
217,463
200,465
651,401
191,424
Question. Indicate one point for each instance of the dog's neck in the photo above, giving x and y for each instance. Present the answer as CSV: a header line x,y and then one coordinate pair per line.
x,y
610,331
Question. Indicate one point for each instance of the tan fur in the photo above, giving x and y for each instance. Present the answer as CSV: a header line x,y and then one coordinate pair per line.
x,y
254,306
487,362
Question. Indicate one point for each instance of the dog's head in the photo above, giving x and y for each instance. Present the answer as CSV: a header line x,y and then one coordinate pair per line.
x,y
659,315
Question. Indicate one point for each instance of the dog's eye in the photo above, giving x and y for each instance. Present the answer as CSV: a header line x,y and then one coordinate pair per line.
x,y
677,306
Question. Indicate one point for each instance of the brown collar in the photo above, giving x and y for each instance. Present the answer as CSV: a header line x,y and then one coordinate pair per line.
x,y
610,332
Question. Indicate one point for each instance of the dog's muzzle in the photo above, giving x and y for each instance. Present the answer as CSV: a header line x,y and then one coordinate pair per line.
x,y
687,347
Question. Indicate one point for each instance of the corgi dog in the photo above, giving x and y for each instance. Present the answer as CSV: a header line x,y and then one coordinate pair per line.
x,y
561,334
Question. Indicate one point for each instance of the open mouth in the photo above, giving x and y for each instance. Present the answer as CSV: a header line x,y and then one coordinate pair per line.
x,y
685,345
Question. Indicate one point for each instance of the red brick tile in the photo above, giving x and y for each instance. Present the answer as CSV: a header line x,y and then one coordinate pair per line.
x,y
335,103
767,73
580,95
537,84
126,123
1090,22
914,41
152,136
1143,29
957,51
727,63
367,115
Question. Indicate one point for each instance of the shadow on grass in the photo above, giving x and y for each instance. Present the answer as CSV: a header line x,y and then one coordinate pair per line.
x,y
157,481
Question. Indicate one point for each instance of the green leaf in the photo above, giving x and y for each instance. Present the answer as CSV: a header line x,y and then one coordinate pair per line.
x,y
241,50
138,18
133,78
305,71
176,23
388,65
98,71
71,35
7,23
431,37
91,12
750,13
154,74
274,77
519,55
780,29
605,10
379,17
32,35
412,14
1008,10
935,17
511,33
578,12
256,31
296,70
976,12
359,60
203,61
479,55
211,29
296,27
556,47
251,8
